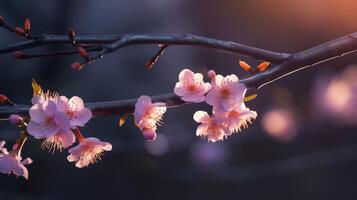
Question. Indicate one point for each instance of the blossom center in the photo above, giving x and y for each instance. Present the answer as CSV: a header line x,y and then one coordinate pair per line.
x,y
70,114
50,120
191,88
224,93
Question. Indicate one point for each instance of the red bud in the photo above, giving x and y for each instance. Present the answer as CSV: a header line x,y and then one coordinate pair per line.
x,y
18,55
71,35
2,20
82,52
27,25
76,66
19,31
3,98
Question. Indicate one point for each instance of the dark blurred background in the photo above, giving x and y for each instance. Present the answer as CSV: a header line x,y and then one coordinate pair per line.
x,y
303,144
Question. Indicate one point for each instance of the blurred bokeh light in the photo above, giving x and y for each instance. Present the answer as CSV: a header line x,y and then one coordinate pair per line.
x,y
280,124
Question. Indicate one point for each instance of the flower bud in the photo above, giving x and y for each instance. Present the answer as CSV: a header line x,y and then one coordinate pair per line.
x,y
245,66
2,20
27,25
15,119
71,35
82,52
18,55
76,66
3,98
19,31
211,73
149,134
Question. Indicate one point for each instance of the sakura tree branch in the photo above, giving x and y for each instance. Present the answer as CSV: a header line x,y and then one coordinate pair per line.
x,y
286,63
296,62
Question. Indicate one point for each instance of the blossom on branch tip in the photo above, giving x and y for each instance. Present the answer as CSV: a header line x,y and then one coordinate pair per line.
x,y
148,115
12,163
191,86
226,92
88,151
213,128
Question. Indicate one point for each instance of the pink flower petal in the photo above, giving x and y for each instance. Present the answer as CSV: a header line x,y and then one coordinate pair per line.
x,y
201,117
82,117
62,104
62,122
37,114
50,108
76,103
35,130
186,76
179,89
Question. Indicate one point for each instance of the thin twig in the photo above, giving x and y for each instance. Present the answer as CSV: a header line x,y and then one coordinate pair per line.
x,y
56,53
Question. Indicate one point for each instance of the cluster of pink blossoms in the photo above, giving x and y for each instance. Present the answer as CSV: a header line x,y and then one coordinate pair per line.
x,y
224,94
57,119
54,117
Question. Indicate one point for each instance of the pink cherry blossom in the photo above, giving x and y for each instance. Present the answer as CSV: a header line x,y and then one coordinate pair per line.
x,y
213,128
148,115
45,120
12,163
191,87
226,92
61,140
88,151
237,118
75,110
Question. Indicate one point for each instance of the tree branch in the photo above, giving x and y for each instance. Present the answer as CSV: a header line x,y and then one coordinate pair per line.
x,y
115,42
286,63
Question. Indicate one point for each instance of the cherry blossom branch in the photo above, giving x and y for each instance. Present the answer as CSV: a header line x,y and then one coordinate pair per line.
x,y
286,63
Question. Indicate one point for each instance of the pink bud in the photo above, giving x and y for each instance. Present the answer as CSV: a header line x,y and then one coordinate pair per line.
x,y
211,73
15,119
149,134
